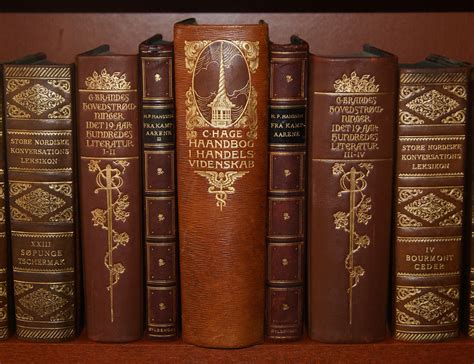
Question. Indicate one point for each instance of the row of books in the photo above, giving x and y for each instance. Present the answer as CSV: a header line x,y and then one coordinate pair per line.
x,y
270,164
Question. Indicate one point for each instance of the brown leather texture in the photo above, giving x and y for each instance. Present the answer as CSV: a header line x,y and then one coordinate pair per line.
x,y
221,74
287,186
159,185
429,201
352,106
4,287
40,158
110,194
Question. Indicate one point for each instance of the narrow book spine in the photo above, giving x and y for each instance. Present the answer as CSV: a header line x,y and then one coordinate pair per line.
x,y
159,187
4,332
221,142
39,132
286,193
352,108
429,202
110,190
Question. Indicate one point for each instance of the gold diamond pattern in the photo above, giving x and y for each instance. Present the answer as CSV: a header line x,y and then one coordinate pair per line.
x,y
429,306
38,99
433,104
430,207
43,302
40,203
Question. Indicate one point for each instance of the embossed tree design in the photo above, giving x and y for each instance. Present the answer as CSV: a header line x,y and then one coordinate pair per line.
x,y
354,183
110,181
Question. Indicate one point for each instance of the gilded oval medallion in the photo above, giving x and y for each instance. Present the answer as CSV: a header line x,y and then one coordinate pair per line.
x,y
221,84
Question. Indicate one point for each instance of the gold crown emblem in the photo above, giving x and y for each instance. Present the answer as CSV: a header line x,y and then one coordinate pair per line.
x,y
356,84
106,81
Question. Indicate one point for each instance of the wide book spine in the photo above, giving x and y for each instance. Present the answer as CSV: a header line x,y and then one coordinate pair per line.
x,y
110,196
40,156
352,107
4,287
221,75
429,202
286,191
159,186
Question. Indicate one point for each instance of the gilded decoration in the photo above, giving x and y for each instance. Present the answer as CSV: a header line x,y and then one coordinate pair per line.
x,y
66,215
39,202
458,90
16,113
17,215
404,319
459,117
15,84
20,314
430,207
356,84
432,105
21,287
63,113
106,81
455,193
353,183
429,306
408,91
42,302
407,194
18,187
109,181
221,184
63,188
65,315
64,85
406,221
406,292
406,118
38,99
453,220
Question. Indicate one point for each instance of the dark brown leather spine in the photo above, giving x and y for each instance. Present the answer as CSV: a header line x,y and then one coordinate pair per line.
x,y
352,108
429,201
110,193
4,312
221,74
286,192
40,148
156,61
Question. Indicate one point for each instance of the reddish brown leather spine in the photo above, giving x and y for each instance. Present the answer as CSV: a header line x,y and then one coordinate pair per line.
x,y
352,106
156,61
111,208
429,201
286,194
40,148
221,74
4,312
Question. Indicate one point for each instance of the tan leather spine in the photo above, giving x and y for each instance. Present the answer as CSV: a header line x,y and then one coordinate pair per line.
x,y
159,185
40,158
221,74
110,193
286,233
4,296
429,201
352,105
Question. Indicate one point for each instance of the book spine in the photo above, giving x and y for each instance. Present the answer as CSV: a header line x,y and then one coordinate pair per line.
x,y
286,193
159,187
110,191
4,332
429,202
221,75
40,147
352,108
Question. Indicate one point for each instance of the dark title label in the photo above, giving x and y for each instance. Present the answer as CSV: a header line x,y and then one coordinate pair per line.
x,y
158,126
288,125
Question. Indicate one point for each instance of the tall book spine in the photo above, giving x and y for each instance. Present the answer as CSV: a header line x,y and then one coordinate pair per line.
x,y
110,195
40,148
156,61
286,192
4,332
429,202
221,75
352,109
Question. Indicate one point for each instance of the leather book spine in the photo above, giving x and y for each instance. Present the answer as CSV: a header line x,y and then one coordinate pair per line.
x,y
221,75
286,192
429,202
352,112
40,158
156,62
4,286
110,195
